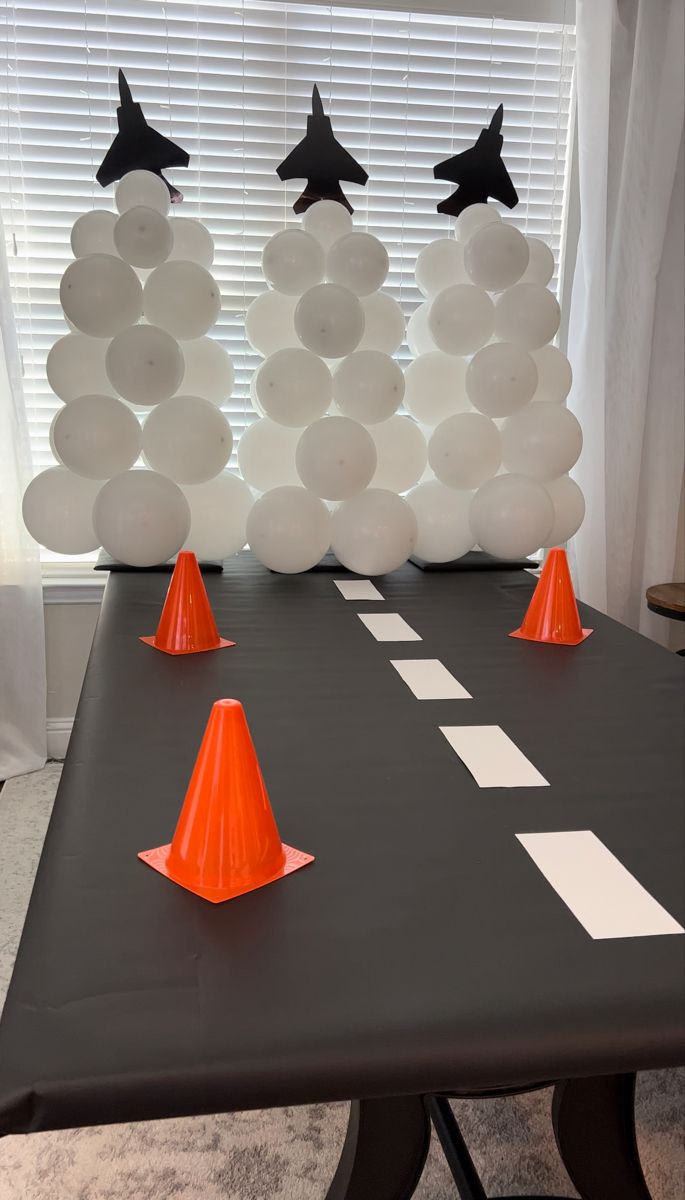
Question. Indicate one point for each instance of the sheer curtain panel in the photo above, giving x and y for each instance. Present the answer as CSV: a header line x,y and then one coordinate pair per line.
x,y
22,638
626,324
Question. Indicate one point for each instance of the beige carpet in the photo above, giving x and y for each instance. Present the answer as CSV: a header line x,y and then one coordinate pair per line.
x,y
279,1154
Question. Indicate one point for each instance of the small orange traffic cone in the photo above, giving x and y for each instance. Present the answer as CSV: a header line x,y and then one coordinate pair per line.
x,y
552,614
187,624
226,841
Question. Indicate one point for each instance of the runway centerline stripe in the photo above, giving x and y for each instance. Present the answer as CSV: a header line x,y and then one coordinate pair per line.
x,y
389,627
357,589
429,679
600,892
493,759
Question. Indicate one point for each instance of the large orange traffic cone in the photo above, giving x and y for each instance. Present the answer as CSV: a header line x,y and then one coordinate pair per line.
x,y
226,841
552,614
187,624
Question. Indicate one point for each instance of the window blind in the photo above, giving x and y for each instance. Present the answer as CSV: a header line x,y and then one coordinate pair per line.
x,y
231,82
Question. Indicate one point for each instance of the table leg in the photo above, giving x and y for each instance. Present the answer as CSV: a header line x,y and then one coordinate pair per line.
x,y
384,1151
594,1125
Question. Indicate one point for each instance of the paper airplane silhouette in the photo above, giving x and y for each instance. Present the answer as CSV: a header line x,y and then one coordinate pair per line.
x,y
138,147
322,161
479,172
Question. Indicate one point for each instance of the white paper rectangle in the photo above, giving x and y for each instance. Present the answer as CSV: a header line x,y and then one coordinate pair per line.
x,y
357,589
606,899
491,756
429,679
389,627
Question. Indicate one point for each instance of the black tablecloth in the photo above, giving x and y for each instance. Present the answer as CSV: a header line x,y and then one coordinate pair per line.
x,y
423,950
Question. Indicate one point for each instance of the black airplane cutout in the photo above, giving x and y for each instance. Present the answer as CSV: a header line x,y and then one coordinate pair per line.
x,y
322,161
479,172
139,147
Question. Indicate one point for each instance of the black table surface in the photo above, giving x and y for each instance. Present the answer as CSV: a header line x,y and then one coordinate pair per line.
x,y
423,950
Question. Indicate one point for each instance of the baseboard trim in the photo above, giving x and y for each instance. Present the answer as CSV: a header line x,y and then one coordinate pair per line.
x,y
58,731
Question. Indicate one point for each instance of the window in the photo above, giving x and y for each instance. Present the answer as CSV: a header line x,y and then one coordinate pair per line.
x,y
231,81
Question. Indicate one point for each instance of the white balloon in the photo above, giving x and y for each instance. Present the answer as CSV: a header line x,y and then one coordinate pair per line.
x,y
188,439
511,516
51,438
96,436
359,262
327,220
144,365
76,367
401,451
542,441
473,218
374,532
208,371
269,323
143,237
142,187
254,399
439,265
93,233
569,509
293,261
266,455
384,324
329,320
465,450
554,374
419,337
335,458
58,511
141,518
182,298
461,319
540,267
528,315
368,386
192,241
293,387
218,516
288,530
101,295
500,379
435,387
496,256
442,516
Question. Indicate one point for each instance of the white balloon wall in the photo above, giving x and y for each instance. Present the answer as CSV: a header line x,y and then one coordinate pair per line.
x,y
489,391
330,453
471,445
139,375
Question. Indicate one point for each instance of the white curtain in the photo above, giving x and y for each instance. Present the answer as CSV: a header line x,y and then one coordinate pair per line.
x,y
22,636
626,320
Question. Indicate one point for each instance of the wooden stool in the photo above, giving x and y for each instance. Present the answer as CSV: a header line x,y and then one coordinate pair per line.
x,y
668,600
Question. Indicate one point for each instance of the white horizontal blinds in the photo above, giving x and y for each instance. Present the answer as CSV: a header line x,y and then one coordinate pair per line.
x,y
232,83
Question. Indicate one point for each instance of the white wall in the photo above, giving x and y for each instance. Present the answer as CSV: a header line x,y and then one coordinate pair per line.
x,y
69,628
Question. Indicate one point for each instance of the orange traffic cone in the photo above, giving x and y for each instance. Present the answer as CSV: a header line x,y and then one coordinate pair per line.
x,y
187,624
552,614
226,841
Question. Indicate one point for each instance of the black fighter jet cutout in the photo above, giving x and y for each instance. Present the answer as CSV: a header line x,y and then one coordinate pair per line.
x,y
139,147
479,172
322,161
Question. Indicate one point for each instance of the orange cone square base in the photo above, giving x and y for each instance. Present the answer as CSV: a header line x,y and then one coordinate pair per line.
x,y
152,641
187,624
555,641
158,860
552,614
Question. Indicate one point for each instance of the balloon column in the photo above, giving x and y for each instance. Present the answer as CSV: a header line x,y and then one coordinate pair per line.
x,y
489,390
138,374
330,453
